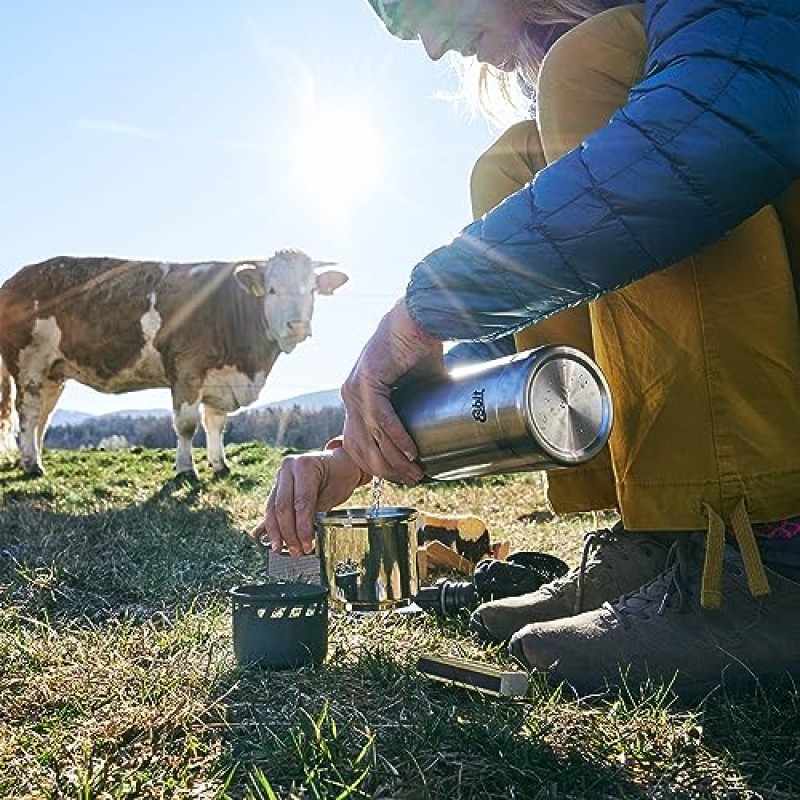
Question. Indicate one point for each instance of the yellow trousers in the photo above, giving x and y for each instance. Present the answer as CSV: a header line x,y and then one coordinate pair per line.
x,y
702,358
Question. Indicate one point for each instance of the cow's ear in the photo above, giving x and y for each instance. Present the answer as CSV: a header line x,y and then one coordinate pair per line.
x,y
251,279
329,280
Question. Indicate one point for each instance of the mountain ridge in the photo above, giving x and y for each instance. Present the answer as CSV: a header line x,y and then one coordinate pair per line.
x,y
310,401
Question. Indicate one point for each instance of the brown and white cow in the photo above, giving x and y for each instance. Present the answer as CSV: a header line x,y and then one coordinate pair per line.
x,y
211,332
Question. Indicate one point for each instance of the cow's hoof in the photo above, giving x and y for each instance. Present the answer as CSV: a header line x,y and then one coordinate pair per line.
x,y
33,472
222,472
189,478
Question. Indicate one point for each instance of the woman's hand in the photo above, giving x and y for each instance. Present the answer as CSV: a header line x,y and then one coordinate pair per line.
x,y
374,437
306,484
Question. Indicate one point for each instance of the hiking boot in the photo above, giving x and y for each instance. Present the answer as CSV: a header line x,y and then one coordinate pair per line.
x,y
614,562
662,635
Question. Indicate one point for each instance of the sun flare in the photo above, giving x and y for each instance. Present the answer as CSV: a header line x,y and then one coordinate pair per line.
x,y
339,155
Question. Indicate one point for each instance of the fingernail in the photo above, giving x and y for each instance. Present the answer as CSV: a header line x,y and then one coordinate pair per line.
x,y
295,552
410,456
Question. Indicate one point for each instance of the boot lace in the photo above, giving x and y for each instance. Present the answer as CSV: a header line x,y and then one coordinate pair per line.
x,y
670,589
593,543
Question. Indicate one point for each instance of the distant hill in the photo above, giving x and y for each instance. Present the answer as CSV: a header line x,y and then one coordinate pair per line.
x,y
313,401
69,417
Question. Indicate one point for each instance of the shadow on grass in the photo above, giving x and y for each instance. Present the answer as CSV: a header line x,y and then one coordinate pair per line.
x,y
375,725
154,557
366,719
758,729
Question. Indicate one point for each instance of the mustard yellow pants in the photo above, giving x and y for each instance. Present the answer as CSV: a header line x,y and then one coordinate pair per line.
x,y
703,358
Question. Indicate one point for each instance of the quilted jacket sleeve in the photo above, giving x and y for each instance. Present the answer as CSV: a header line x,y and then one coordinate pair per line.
x,y
709,136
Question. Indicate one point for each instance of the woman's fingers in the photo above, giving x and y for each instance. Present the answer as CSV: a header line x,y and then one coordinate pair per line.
x,y
290,509
311,475
384,450
280,511
374,436
303,485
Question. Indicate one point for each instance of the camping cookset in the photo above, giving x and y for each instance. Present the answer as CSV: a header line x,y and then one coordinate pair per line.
x,y
543,409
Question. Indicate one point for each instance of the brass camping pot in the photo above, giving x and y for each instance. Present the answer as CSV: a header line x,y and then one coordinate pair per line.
x,y
368,557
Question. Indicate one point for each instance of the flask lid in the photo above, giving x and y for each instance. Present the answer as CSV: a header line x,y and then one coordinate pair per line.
x,y
569,408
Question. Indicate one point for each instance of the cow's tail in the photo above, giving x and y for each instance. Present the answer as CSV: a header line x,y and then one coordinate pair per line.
x,y
8,413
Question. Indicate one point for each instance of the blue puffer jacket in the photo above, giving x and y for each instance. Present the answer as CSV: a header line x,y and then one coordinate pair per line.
x,y
710,135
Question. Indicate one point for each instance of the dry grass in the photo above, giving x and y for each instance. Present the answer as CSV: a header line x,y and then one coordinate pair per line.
x,y
117,678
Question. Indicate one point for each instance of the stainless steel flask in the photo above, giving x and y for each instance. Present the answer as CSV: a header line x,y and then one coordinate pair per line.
x,y
544,408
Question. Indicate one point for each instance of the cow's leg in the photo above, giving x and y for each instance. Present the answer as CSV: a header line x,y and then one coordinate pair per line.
x,y
29,405
214,424
51,391
8,410
185,419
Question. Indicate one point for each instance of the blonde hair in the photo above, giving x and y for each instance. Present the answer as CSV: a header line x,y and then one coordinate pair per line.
x,y
500,95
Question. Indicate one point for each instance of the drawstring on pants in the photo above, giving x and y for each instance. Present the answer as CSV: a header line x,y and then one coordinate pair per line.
x,y
711,588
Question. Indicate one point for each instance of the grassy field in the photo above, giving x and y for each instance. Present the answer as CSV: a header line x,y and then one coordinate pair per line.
x,y
117,675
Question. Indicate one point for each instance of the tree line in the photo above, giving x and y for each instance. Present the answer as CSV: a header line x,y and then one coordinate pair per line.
x,y
282,427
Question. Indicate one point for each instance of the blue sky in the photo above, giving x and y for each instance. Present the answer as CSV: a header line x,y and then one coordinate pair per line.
x,y
191,130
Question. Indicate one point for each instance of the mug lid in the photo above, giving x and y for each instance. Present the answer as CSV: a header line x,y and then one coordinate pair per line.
x,y
365,516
